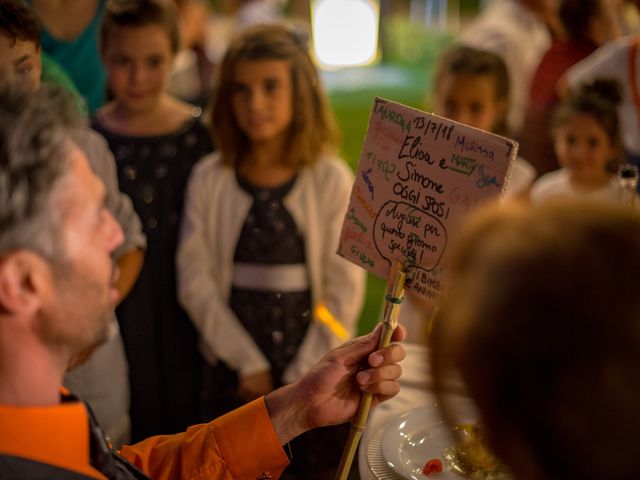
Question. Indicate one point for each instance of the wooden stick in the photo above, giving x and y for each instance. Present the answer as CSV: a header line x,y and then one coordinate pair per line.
x,y
393,299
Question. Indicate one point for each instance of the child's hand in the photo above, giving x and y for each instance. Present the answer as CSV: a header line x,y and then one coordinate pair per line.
x,y
255,385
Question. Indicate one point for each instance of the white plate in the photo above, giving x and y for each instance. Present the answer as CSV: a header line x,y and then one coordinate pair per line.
x,y
420,435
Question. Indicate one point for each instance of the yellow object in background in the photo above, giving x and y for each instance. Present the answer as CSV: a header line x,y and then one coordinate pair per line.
x,y
325,316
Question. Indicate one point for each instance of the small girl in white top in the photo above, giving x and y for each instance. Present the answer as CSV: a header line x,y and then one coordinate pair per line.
x,y
586,138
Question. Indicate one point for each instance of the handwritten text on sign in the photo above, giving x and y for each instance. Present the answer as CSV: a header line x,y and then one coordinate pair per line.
x,y
418,176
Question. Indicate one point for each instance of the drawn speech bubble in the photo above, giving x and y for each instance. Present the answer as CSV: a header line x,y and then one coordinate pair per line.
x,y
403,232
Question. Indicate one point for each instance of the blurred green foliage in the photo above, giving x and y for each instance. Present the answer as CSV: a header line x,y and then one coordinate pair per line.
x,y
410,43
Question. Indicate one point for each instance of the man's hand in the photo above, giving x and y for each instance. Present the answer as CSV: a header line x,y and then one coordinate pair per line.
x,y
330,392
255,385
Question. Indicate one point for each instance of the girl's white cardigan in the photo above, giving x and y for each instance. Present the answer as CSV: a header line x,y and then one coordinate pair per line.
x,y
215,210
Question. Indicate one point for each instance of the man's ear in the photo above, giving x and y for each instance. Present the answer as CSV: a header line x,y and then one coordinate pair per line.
x,y
22,279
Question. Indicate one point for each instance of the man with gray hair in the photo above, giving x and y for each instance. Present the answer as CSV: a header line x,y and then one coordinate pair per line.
x,y
103,379
57,289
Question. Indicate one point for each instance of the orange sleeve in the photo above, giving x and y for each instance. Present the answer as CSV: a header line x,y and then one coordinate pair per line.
x,y
237,446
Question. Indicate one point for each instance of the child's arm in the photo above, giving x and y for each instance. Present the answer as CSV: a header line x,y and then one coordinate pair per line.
x,y
605,61
212,218
129,264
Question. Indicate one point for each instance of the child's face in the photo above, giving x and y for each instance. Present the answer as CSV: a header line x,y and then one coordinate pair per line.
x,y
584,149
469,99
20,62
138,62
263,98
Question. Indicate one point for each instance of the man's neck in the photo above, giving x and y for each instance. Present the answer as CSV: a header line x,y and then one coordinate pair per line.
x,y
29,375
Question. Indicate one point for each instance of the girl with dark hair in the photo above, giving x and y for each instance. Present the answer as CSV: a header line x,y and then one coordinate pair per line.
x,y
585,129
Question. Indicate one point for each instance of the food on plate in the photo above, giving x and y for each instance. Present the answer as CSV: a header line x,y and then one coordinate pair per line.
x,y
432,466
471,458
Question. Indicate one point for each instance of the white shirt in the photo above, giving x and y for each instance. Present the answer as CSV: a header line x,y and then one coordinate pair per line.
x,y
214,212
557,184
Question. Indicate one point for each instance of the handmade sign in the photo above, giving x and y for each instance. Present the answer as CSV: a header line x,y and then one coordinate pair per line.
x,y
418,176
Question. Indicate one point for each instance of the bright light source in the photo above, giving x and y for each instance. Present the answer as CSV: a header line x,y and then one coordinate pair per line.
x,y
345,32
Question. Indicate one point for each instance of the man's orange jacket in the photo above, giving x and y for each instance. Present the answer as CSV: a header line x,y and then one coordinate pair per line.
x,y
54,442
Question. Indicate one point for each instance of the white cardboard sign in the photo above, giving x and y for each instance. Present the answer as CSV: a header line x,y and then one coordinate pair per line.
x,y
418,176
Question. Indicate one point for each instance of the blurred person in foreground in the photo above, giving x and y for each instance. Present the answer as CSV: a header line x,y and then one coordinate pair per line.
x,y
542,324
57,291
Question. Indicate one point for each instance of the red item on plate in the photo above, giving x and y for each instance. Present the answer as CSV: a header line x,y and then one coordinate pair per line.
x,y
432,466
